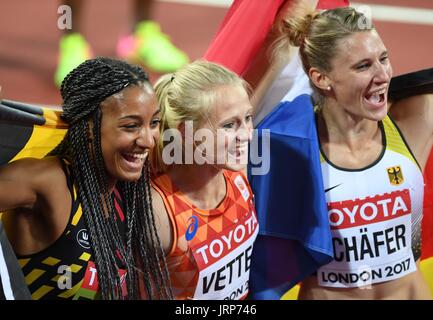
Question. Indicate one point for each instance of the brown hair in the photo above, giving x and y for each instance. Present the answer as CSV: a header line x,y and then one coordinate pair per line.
x,y
318,34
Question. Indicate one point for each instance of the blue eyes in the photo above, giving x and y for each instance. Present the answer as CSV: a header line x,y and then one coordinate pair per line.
x,y
367,65
362,66
232,125
229,125
154,123
384,59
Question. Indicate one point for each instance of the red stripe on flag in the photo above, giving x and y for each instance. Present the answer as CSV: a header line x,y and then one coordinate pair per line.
x,y
427,222
331,4
242,33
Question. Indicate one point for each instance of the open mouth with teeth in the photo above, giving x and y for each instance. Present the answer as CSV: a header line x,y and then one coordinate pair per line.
x,y
376,99
135,160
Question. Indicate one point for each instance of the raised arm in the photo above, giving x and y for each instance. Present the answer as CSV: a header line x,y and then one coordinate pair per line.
x,y
25,181
15,189
414,116
37,202
265,74
412,109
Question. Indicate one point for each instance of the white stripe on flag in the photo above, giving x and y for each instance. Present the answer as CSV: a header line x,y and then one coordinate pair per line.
x,y
211,3
4,276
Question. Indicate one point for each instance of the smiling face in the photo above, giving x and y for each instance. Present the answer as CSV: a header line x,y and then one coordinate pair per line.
x,y
230,120
129,131
360,76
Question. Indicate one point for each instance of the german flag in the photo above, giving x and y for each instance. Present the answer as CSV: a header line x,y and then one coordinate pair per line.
x,y
25,131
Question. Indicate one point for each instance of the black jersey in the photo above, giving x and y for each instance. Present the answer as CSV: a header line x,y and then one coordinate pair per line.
x,y
66,270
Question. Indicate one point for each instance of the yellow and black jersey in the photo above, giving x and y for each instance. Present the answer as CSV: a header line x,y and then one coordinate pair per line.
x,y
66,270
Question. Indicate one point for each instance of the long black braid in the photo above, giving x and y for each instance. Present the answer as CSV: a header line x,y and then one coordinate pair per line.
x,y
82,91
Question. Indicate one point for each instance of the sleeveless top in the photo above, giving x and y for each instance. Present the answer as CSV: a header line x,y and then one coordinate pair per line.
x,y
66,269
12,284
211,253
375,215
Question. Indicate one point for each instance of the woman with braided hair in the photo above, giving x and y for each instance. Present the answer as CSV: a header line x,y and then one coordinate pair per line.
x,y
74,235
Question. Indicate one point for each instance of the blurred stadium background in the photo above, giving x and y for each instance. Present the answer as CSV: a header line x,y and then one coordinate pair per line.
x,y
29,36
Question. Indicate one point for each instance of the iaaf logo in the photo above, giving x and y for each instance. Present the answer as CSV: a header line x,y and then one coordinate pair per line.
x,y
83,239
358,212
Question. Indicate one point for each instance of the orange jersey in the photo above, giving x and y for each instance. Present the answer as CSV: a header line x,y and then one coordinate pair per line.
x,y
211,253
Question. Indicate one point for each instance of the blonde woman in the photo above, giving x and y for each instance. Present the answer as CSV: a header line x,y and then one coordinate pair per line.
x,y
372,159
202,199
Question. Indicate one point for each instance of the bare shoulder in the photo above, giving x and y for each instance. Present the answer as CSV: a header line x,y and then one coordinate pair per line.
x,y
31,168
35,195
158,202
162,220
414,117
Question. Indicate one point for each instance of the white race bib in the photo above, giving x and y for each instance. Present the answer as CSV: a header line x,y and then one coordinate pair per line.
x,y
372,241
224,261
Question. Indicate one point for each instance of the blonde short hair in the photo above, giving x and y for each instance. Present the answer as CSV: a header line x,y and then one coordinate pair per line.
x,y
190,94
